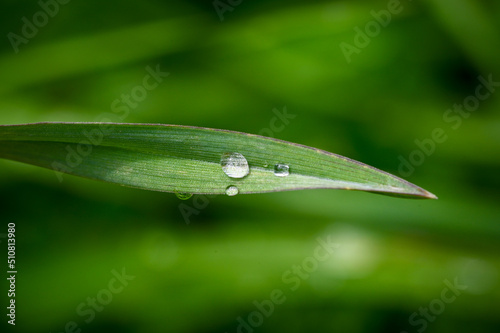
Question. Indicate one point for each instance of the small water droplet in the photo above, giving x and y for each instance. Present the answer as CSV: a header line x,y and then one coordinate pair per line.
x,y
234,165
281,170
183,196
232,191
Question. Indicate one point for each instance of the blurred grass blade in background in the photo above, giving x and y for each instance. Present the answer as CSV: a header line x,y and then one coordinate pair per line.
x,y
186,159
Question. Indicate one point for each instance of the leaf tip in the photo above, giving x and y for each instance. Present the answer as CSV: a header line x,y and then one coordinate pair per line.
x,y
420,193
429,195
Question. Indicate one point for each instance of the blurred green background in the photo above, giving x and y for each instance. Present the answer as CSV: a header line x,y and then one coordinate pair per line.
x,y
205,270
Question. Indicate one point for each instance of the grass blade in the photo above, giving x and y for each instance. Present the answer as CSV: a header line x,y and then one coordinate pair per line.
x,y
173,158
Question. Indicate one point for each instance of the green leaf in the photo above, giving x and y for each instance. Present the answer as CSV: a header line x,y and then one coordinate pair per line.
x,y
186,159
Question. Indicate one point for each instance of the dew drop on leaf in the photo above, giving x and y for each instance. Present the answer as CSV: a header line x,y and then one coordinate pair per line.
x,y
281,170
234,165
232,191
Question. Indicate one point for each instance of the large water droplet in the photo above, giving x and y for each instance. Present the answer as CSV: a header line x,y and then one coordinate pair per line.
x,y
234,165
232,191
281,170
183,196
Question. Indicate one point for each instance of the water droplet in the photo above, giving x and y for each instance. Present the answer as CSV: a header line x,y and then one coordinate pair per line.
x,y
234,165
281,170
183,196
232,191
